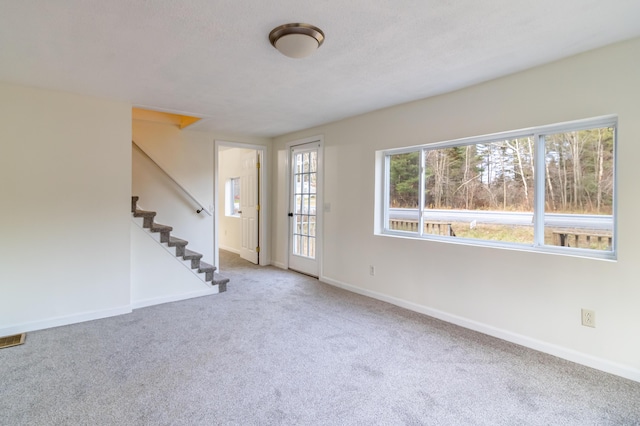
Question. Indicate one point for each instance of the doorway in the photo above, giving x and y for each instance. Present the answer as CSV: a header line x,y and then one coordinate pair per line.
x,y
240,201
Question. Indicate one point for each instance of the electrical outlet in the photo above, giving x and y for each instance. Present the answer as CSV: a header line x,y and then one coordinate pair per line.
x,y
372,270
589,318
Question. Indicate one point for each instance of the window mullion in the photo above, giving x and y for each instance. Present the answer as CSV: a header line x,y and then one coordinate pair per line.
x,y
421,193
539,195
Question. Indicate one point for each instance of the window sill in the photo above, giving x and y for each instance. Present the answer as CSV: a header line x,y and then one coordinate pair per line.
x,y
610,256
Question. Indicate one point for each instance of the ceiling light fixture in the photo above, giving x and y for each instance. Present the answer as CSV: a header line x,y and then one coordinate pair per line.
x,y
296,40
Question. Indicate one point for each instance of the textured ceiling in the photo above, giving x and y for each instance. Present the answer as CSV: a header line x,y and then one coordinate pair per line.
x,y
212,58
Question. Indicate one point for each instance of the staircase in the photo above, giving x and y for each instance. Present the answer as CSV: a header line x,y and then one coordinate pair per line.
x,y
197,265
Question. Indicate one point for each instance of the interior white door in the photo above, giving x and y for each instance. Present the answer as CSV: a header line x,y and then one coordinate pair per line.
x,y
304,226
249,202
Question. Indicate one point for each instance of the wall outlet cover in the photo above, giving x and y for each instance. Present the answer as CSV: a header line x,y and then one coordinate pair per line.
x,y
588,318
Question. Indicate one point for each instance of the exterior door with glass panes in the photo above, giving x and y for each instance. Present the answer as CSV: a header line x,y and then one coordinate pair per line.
x,y
304,208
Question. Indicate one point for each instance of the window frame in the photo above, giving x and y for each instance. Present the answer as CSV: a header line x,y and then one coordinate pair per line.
x,y
538,134
229,196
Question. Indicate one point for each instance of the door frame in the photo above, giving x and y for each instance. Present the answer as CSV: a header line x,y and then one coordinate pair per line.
x,y
319,199
264,257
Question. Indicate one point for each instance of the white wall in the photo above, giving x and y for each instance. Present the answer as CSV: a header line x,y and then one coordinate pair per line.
x,y
157,276
65,191
529,298
230,166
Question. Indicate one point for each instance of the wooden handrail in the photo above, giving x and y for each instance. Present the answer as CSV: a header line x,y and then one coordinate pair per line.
x,y
185,190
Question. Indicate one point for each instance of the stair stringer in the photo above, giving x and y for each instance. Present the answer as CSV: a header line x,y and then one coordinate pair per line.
x,y
156,276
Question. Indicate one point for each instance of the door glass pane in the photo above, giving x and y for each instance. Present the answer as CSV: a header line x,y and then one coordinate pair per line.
x,y
312,247
312,204
299,163
305,162
312,226
298,204
312,184
298,226
298,184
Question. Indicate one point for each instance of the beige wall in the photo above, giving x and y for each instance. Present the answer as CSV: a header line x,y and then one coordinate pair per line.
x,y
230,166
65,187
188,156
529,298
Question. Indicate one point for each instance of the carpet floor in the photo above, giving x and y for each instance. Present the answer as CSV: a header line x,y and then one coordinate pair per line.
x,y
280,348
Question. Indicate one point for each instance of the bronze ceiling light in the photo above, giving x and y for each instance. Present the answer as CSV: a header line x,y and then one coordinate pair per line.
x,y
296,40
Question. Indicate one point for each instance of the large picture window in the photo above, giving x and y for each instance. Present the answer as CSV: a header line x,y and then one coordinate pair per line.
x,y
550,188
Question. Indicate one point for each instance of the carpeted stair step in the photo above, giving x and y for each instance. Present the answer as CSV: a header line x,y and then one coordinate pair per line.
x,y
193,256
220,281
164,231
178,244
147,217
207,270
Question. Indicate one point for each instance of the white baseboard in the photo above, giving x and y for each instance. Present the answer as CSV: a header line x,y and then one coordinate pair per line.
x,y
65,320
229,249
279,265
549,348
174,298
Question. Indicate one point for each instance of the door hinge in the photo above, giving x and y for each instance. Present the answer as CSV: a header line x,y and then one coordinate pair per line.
x,y
258,165
258,207
257,249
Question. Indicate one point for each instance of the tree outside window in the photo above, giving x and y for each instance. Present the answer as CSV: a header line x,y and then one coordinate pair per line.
x,y
486,189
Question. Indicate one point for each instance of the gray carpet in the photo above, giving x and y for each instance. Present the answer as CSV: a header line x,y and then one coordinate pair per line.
x,y
279,348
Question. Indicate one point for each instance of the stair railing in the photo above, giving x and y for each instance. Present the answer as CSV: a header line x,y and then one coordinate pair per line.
x,y
185,190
